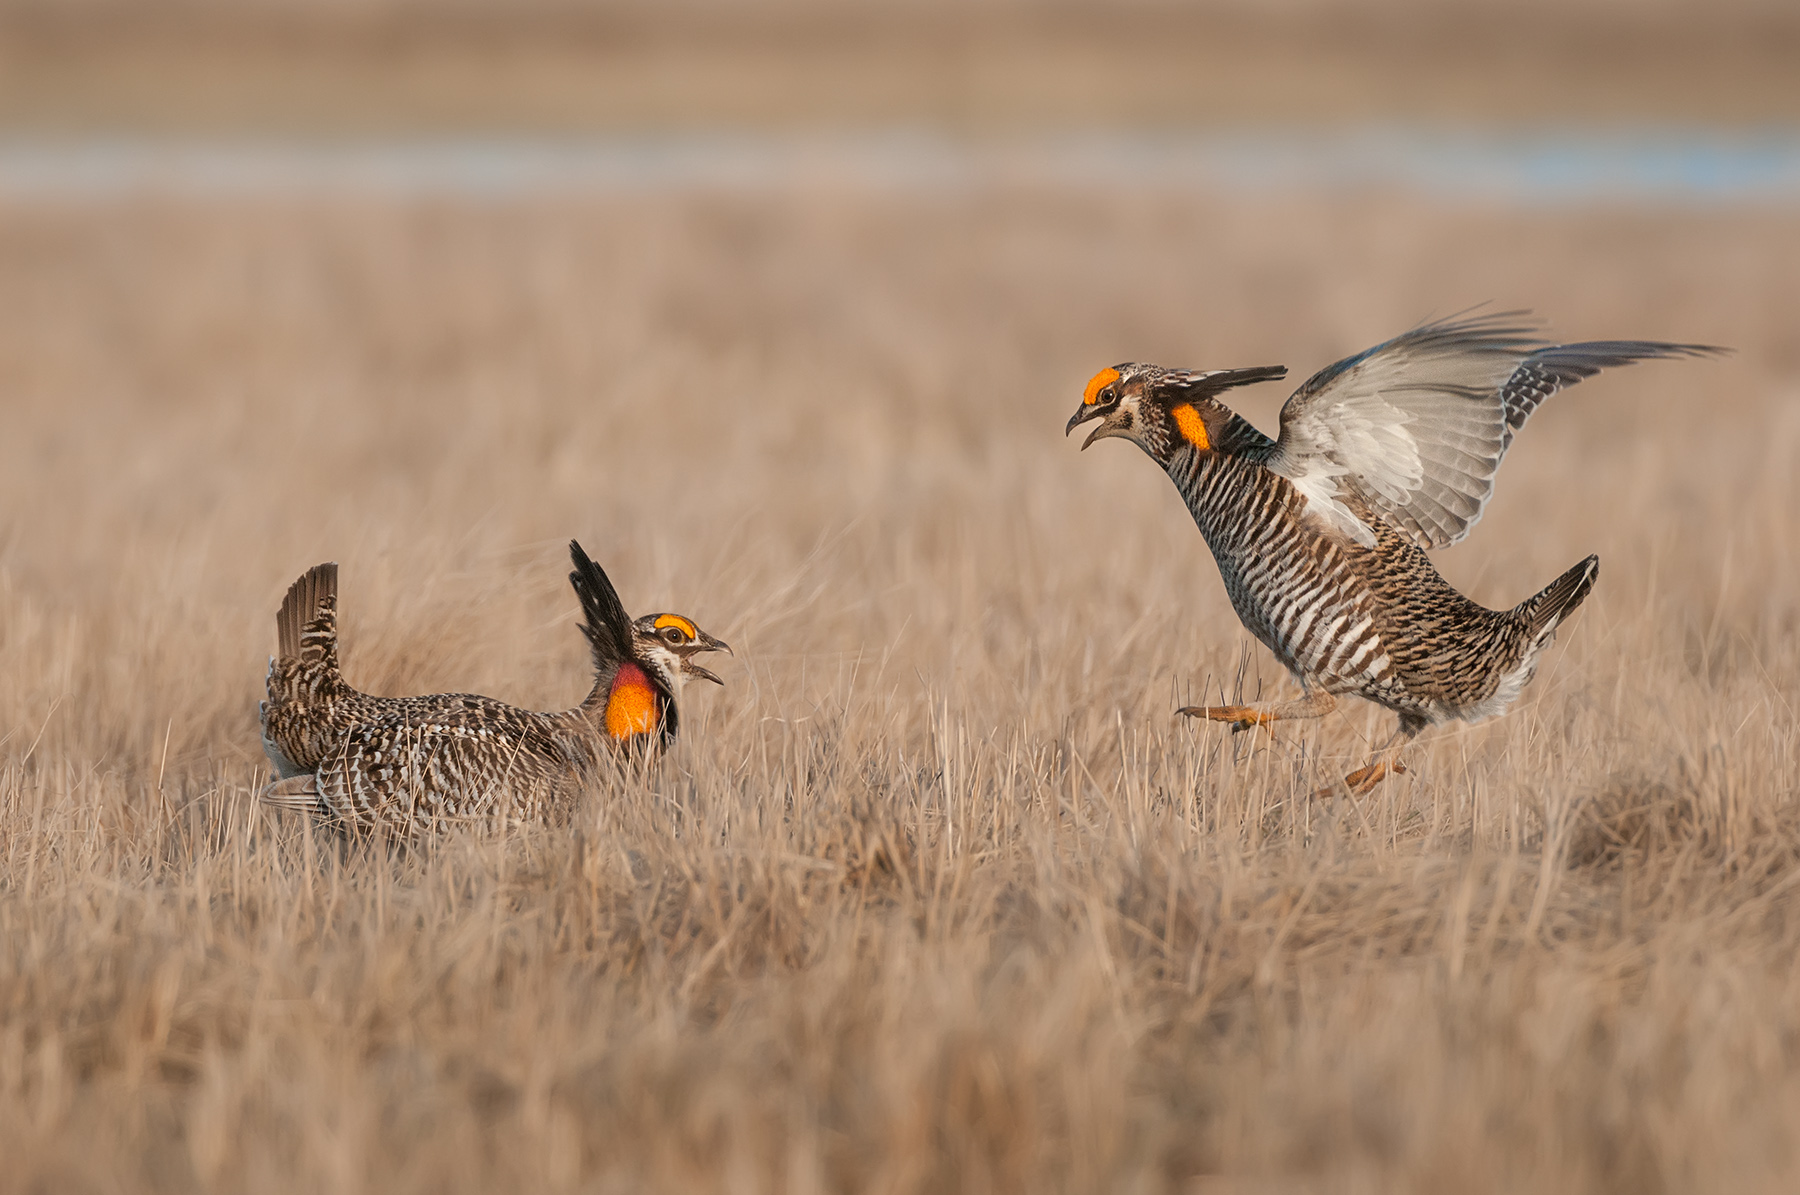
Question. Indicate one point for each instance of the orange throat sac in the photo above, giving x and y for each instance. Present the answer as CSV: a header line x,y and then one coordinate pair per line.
x,y
631,708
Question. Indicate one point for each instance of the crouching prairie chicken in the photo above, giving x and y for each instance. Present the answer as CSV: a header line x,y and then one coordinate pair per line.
x,y
404,764
1320,535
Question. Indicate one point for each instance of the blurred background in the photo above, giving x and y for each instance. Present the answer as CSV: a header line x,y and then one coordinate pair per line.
x,y
453,67
1670,95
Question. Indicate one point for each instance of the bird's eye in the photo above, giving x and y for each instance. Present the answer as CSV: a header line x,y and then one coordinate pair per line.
x,y
673,636
1107,396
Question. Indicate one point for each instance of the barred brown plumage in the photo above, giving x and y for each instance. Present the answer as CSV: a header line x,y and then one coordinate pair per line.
x,y
1320,535
408,763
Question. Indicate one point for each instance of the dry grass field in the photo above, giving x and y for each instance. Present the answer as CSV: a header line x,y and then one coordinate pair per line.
x,y
936,894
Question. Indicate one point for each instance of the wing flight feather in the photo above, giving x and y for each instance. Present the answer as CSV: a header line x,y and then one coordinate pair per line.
x,y
1413,430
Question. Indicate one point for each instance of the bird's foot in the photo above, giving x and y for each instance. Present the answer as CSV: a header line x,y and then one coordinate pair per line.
x,y
1363,781
1241,717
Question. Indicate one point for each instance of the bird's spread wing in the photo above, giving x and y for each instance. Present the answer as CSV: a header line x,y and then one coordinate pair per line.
x,y
1412,431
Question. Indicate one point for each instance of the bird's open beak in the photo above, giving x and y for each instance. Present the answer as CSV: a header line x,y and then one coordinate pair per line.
x,y
1082,414
693,669
1109,426
707,643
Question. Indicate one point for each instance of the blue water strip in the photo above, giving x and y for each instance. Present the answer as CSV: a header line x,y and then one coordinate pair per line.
x,y
1556,167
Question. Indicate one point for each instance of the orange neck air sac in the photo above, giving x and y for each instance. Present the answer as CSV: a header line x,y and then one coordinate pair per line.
x,y
633,706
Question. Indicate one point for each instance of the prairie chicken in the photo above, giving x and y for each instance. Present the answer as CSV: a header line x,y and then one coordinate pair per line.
x,y
1320,535
404,763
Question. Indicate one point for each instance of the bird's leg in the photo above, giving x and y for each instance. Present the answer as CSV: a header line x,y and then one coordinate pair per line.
x,y
1243,717
1385,762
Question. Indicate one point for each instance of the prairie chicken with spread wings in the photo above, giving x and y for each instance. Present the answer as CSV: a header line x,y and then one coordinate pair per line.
x,y
1320,534
406,763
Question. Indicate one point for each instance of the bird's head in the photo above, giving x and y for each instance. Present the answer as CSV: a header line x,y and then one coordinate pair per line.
x,y
1161,409
668,643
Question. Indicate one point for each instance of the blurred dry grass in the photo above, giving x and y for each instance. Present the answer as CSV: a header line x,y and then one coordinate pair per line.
x,y
394,67
936,894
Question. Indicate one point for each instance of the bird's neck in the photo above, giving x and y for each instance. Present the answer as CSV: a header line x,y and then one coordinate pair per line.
x,y
1220,492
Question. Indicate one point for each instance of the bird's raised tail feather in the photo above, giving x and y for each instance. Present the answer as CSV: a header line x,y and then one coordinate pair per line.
x,y
1543,613
604,621
313,595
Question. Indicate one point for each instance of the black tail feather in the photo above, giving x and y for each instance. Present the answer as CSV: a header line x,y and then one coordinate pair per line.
x,y
604,621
